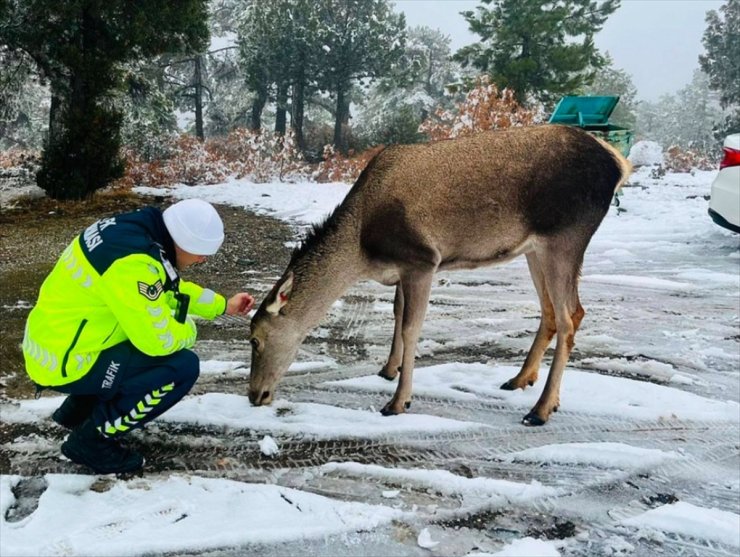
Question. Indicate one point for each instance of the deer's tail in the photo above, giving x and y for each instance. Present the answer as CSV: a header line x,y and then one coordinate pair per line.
x,y
625,166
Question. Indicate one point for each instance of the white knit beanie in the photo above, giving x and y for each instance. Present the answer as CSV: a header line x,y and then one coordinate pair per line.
x,y
195,226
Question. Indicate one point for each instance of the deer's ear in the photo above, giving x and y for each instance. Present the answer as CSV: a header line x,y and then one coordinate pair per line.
x,y
282,295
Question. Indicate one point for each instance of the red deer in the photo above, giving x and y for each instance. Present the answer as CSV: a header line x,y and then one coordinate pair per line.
x,y
457,204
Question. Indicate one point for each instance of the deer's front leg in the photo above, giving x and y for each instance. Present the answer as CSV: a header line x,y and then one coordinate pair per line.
x,y
416,287
393,365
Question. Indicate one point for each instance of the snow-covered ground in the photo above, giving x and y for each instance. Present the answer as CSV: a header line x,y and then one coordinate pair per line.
x,y
642,457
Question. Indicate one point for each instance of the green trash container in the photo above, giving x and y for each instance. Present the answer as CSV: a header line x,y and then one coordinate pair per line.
x,y
592,114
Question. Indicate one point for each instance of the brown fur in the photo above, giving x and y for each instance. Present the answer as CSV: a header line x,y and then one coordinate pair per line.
x,y
418,209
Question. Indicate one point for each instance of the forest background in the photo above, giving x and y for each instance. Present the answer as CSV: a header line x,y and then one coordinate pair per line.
x,y
98,94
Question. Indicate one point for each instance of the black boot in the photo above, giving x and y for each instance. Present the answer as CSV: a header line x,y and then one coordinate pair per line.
x,y
74,410
86,445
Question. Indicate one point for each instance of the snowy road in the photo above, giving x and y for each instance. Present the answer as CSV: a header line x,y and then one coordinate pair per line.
x,y
643,456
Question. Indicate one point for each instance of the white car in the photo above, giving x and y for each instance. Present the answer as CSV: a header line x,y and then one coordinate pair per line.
x,y
724,204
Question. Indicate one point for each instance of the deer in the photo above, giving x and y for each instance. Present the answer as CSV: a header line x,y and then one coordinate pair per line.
x,y
484,199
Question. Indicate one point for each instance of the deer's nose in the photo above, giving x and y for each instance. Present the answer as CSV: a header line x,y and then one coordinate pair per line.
x,y
260,397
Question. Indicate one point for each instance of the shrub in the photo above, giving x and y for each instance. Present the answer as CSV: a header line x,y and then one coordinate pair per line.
x,y
258,156
18,168
686,160
338,168
20,158
484,108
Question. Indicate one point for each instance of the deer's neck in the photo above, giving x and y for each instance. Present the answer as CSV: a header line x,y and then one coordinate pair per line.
x,y
323,274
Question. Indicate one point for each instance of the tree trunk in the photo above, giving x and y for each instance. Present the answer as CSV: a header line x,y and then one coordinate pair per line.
x,y
198,84
341,122
281,112
297,112
55,117
428,84
520,89
258,106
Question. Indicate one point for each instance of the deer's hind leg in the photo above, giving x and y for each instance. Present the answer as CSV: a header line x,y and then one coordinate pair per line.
x,y
561,259
393,365
527,376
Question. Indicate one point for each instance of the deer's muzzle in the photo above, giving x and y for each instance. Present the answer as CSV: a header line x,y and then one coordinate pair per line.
x,y
260,397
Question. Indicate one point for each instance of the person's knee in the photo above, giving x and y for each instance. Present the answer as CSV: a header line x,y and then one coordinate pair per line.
x,y
188,367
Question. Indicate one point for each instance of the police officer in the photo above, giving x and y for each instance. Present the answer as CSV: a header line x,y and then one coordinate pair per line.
x,y
112,326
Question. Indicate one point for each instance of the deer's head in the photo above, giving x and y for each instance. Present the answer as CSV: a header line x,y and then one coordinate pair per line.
x,y
274,336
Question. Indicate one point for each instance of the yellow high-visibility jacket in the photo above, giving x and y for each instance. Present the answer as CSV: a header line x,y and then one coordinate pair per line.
x,y
111,284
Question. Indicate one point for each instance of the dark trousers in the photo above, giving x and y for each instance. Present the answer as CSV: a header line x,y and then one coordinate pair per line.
x,y
133,388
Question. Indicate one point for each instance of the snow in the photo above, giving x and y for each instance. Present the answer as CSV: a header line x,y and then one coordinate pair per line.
x,y
665,283
425,540
235,367
226,40
605,455
268,446
176,514
304,203
301,420
524,547
494,491
646,153
690,520
583,392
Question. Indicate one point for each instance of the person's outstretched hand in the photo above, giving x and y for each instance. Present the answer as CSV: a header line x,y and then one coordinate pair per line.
x,y
239,304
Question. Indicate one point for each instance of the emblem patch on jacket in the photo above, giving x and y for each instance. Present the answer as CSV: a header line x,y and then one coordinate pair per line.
x,y
151,291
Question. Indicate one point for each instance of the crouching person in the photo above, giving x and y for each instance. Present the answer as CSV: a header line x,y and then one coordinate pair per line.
x,y
112,326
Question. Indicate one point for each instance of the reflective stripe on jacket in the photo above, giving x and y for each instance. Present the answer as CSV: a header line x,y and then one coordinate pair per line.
x,y
110,285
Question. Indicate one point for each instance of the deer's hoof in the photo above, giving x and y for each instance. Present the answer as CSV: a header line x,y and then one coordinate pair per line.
x,y
533,419
389,374
509,386
393,408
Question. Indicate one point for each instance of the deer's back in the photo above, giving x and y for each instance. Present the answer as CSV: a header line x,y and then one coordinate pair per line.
x,y
478,197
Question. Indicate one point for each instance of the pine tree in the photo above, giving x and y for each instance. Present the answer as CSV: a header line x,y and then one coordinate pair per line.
x,y
149,122
359,39
212,84
398,103
279,51
722,60
538,48
24,109
230,101
700,112
293,49
685,120
79,46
